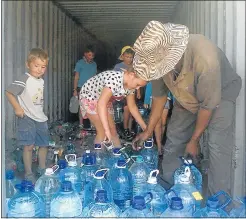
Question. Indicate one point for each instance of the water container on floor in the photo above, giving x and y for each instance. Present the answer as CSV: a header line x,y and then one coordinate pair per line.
x,y
196,176
121,182
101,207
48,185
138,209
26,203
70,148
176,209
101,155
150,154
140,173
114,156
239,208
62,166
158,204
98,183
66,203
211,210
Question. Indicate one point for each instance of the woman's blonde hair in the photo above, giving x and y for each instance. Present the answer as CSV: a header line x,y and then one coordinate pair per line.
x,y
37,53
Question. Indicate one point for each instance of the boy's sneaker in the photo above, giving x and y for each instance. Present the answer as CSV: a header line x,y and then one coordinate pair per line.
x,y
127,135
31,177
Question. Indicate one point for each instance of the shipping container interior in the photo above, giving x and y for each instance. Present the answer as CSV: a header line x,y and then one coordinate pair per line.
x,y
64,28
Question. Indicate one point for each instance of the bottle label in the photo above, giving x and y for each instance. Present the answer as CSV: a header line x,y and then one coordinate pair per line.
x,y
197,196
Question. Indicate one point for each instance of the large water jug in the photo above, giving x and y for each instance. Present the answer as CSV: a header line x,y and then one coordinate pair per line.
x,y
114,156
98,183
196,176
48,185
150,154
121,182
26,202
102,207
239,208
101,156
211,210
62,166
66,203
70,148
11,181
138,209
176,209
88,167
158,204
191,197
140,172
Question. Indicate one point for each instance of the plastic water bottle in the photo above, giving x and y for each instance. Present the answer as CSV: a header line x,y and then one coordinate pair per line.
x,y
62,166
70,147
239,208
211,210
102,207
98,183
140,172
176,209
101,155
114,156
158,203
26,202
11,181
48,185
196,176
66,203
150,154
138,209
121,182
88,167
191,197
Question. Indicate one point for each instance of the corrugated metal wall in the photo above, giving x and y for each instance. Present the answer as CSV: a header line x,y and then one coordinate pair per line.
x,y
224,23
29,24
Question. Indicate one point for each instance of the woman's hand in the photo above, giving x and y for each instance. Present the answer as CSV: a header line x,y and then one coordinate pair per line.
x,y
108,136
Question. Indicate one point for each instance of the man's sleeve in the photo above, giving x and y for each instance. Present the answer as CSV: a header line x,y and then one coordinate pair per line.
x,y
77,67
18,86
159,88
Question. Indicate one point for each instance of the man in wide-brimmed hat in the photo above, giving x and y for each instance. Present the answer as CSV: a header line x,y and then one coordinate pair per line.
x,y
205,88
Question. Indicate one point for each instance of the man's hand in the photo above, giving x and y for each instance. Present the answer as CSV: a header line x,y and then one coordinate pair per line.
x,y
192,148
146,106
138,95
138,141
75,93
19,113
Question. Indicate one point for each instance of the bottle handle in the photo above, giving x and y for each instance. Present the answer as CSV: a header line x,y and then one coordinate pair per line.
x,y
55,168
228,198
148,197
169,194
70,155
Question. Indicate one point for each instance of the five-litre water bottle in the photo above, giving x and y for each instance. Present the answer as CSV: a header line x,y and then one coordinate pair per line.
x,y
176,209
138,209
114,156
140,173
101,155
150,154
66,203
212,209
11,181
158,204
239,208
191,197
196,176
121,182
88,167
26,202
48,185
101,207
62,166
98,183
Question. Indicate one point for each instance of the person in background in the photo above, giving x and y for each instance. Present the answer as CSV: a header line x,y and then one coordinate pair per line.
x,y
161,124
126,57
99,90
205,87
85,68
25,95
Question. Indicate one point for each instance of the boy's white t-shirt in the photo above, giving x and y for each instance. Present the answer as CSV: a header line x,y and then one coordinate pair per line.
x,y
30,93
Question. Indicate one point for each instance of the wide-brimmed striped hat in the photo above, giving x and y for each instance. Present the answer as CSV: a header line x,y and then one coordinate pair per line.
x,y
158,49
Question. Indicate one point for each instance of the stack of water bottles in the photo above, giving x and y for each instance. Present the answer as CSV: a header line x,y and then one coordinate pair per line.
x,y
110,184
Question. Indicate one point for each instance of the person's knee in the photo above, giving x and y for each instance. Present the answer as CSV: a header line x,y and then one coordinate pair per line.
x,y
28,148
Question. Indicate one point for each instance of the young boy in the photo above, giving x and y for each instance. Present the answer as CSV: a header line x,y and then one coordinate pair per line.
x,y
126,57
25,94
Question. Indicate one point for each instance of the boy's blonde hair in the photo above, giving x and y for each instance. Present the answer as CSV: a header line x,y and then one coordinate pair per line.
x,y
37,53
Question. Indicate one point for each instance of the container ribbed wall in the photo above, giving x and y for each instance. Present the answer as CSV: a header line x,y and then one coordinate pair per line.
x,y
224,23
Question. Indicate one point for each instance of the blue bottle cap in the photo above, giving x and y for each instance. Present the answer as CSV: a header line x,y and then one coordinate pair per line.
x,y
212,202
148,144
176,203
101,196
10,174
62,164
66,186
97,146
121,163
25,186
89,158
116,151
138,203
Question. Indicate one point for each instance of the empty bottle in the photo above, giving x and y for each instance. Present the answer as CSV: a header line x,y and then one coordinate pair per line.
x,y
196,176
158,204
121,182
101,155
140,172
26,202
118,111
70,149
18,158
66,203
211,210
56,157
176,209
150,154
98,183
191,197
88,167
102,207
138,209
48,185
